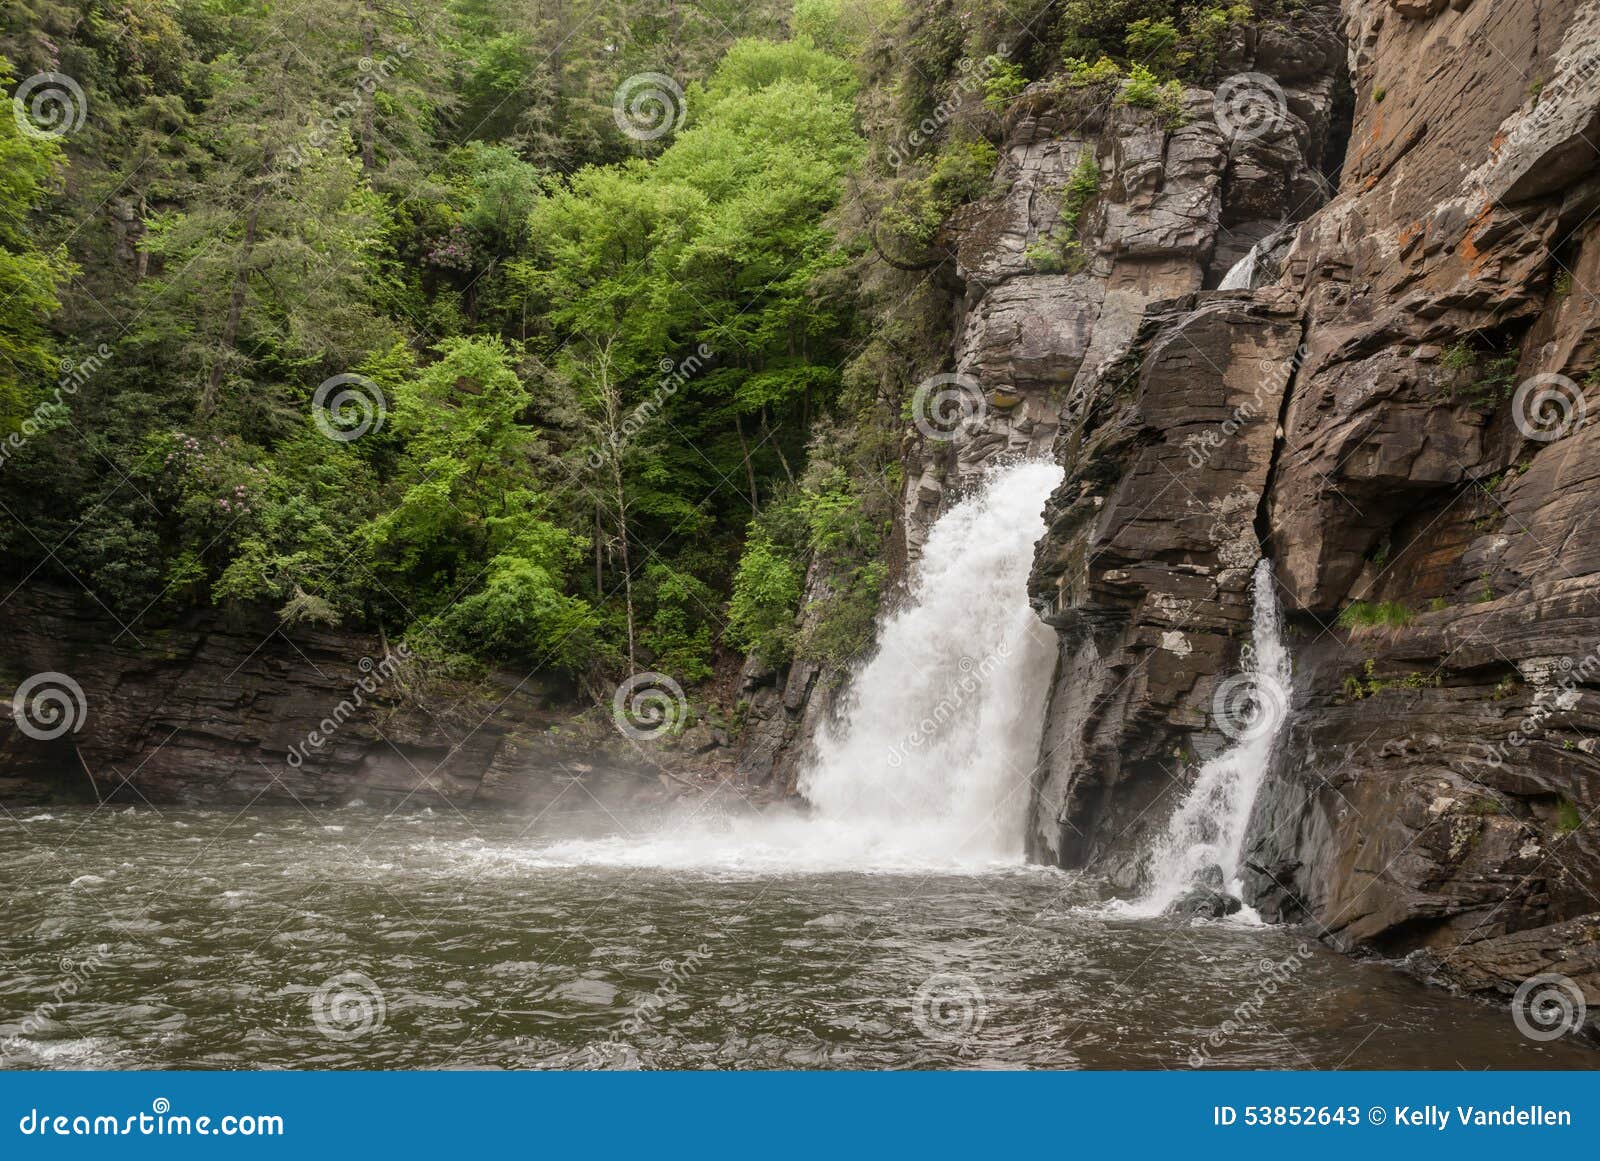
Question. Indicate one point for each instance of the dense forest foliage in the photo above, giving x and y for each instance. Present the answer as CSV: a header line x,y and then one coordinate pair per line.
x,y
559,335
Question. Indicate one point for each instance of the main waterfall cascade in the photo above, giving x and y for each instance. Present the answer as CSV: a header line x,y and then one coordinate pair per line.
x,y
1207,832
929,764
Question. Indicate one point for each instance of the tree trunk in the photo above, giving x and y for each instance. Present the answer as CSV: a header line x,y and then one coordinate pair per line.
x,y
749,469
369,148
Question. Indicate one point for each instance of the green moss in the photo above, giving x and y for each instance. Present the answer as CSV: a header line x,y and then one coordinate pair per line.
x,y
1483,379
1567,817
1366,615
1181,38
1145,90
1369,684
961,172
1060,251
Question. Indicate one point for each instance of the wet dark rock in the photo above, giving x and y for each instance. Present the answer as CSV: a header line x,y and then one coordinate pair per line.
x,y
1206,899
1205,903
225,709
1432,795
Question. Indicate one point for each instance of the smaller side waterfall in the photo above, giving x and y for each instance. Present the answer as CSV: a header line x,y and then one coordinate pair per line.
x,y
1243,274
1204,842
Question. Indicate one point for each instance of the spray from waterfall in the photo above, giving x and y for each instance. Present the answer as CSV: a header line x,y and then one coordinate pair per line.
x,y
1242,275
938,742
1206,835
929,764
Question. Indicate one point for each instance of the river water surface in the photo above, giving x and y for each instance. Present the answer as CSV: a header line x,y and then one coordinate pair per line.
x,y
357,938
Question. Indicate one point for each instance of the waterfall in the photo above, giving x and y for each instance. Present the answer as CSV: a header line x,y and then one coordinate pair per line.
x,y
1243,274
929,764
937,744
1208,829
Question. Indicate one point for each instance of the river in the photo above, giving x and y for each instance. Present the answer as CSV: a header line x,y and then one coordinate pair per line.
x,y
481,943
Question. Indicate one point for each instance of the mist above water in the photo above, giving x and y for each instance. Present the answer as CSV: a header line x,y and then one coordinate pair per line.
x,y
929,763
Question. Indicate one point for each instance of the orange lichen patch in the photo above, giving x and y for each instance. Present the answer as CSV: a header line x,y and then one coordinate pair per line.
x,y
1410,233
1476,259
1496,143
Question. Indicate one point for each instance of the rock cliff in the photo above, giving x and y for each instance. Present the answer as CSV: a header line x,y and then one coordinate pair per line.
x,y
1401,420
235,710
1101,208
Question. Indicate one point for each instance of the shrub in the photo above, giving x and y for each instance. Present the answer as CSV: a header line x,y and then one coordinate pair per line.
x,y
1060,251
766,597
1003,82
1144,90
1365,615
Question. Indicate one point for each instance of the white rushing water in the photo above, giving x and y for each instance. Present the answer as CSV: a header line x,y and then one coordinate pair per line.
x,y
1208,828
930,763
1243,274
937,745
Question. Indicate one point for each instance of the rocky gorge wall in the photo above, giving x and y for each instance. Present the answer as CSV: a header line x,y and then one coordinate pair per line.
x,y
1401,420
1044,298
236,710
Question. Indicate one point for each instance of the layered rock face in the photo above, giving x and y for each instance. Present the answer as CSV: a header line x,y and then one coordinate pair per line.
x,y
241,712
1419,443
1043,301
